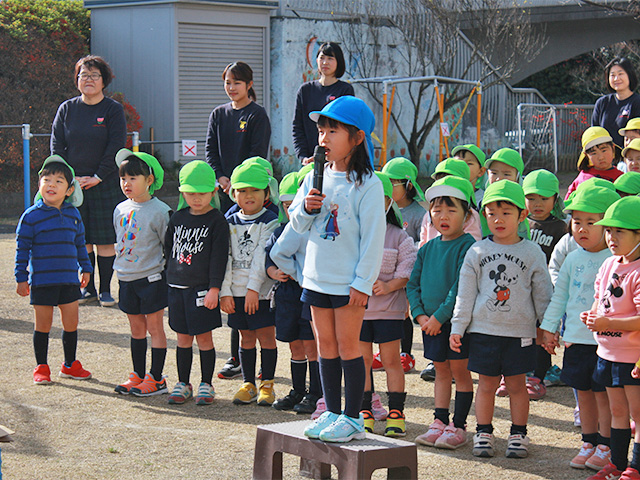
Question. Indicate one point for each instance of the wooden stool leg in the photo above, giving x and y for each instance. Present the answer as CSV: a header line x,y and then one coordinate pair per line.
x,y
314,469
400,473
267,463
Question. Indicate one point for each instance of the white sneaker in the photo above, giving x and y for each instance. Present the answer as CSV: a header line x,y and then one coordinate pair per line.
x,y
483,445
517,446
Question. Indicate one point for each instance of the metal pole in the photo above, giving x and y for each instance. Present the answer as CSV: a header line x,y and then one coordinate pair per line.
x,y
26,136
135,141
555,139
479,115
519,123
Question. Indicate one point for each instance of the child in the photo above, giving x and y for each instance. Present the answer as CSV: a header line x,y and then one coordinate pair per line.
x,y
432,305
196,248
349,230
140,223
573,287
631,131
628,184
50,251
504,289
631,155
451,166
285,260
615,316
475,159
383,319
244,291
596,159
504,164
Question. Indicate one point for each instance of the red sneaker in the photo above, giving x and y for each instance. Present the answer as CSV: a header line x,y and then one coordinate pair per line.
x,y
75,371
42,374
408,362
609,472
630,474
535,388
377,366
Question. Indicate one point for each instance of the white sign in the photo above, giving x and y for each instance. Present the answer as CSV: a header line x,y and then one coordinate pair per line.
x,y
189,148
444,127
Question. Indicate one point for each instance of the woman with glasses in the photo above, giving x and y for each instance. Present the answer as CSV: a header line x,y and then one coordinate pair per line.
x,y
87,132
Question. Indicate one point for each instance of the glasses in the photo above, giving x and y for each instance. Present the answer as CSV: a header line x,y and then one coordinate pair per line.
x,y
86,76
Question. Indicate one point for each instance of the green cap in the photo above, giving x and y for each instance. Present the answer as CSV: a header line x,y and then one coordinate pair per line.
x,y
197,177
508,156
504,190
150,160
453,166
288,186
253,175
387,186
261,161
400,168
451,186
308,168
541,182
588,183
623,214
628,183
593,199
479,154
77,197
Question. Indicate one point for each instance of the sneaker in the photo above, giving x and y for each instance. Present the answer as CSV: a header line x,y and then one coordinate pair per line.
x,y
377,366
396,425
608,472
307,404
429,373
231,369
266,394
630,474
600,458
452,438
75,371
535,388
87,296
288,401
408,362
576,417
552,378
246,394
321,407
435,430
502,389
149,386
581,458
42,374
517,446
483,445
106,300
181,393
319,424
379,412
368,419
206,394
343,430
133,381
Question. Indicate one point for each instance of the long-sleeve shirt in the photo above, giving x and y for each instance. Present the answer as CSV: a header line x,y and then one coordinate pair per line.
x,y
50,246
288,251
503,290
611,174
564,246
613,114
547,233
89,136
412,216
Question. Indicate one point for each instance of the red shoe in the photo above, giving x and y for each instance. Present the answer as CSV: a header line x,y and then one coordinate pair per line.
x,y
630,474
535,388
408,362
42,374
377,366
609,472
75,371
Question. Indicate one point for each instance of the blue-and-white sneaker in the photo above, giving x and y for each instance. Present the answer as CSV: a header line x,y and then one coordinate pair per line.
x,y
319,424
344,429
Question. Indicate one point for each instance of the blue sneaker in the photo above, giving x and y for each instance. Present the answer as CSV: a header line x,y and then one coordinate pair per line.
x,y
344,429
319,424
106,300
552,378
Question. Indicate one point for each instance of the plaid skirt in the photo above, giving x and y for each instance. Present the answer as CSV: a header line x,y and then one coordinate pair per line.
x,y
97,211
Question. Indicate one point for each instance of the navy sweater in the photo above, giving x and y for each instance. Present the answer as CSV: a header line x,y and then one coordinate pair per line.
x,y
613,114
51,243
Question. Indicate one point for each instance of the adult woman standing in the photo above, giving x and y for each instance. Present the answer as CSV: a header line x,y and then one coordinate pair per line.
x,y
614,110
313,96
87,132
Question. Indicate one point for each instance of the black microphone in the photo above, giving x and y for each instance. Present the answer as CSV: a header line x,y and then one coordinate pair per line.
x,y
319,160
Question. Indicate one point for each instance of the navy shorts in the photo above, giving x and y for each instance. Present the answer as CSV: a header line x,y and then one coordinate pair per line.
x,y
264,317
381,331
614,374
324,300
578,365
293,318
54,295
187,313
493,356
142,297
437,347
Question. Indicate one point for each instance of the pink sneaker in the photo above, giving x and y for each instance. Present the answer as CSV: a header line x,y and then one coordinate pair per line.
x,y
630,474
600,458
321,407
436,429
535,388
609,472
586,451
379,412
377,366
451,438
502,389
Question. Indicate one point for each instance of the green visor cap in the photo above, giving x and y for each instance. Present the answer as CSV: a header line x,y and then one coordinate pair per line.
x,y
453,166
628,183
623,214
197,177
150,160
308,168
594,199
479,154
260,161
387,186
289,186
505,191
590,182
77,197
541,182
400,168
250,175
451,186
508,156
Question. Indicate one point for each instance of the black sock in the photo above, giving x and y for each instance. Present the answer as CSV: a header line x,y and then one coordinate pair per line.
x,y
373,386
207,365
604,440
591,438
482,428
620,438
268,360
442,414
235,344
184,359
91,285
139,355
518,429
158,356
354,375
366,401
543,362
461,407
69,345
407,340
299,375
105,269
315,387
635,458
41,346
331,375
396,400
248,364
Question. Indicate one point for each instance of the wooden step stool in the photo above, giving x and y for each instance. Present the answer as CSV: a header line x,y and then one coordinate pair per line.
x,y
356,459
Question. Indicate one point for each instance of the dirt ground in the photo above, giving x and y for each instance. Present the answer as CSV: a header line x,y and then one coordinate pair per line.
x,y
83,430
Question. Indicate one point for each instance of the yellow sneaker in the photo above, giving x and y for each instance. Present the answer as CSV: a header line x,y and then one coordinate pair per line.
x,y
246,394
267,396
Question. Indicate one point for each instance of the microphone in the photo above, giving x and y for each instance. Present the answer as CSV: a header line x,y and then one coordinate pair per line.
x,y
319,160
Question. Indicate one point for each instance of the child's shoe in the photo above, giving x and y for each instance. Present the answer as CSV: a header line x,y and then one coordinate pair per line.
x,y
42,374
180,394
630,474
408,362
396,426
149,386
321,407
609,472
343,430
231,369
319,424
87,296
205,394
133,381
246,394
429,373
586,451
435,430
600,458
502,389
379,412
451,438
266,394
576,417
517,446
75,371
483,445
535,388
289,401
552,378
307,405
377,366
106,300
368,419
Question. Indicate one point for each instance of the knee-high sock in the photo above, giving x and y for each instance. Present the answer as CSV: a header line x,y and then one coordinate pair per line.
x,y
41,346
248,364
69,345
105,269
354,375
184,359
331,376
